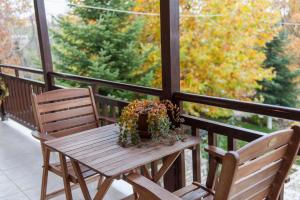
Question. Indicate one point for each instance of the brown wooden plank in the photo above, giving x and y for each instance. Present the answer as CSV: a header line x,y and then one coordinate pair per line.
x,y
144,186
261,162
57,95
185,190
107,137
57,116
22,100
110,161
262,185
260,194
82,135
108,150
61,105
78,148
263,145
196,158
167,163
73,130
267,171
93,149
286,166
69,123
143,159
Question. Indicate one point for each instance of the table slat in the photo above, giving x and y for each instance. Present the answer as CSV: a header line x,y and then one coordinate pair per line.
x,y
99,150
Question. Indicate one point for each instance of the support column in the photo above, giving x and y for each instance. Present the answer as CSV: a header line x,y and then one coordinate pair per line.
x,y
169,22
44,43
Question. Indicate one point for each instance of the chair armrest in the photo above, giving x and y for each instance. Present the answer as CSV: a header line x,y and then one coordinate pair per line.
x,y
148,189
215,152
41,136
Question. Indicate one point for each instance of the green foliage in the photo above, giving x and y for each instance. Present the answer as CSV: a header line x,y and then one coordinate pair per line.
x,y
101,44
281,90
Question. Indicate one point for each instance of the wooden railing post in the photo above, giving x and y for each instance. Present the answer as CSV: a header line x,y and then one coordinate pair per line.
x,y
169,23
44,43
2,110
196,158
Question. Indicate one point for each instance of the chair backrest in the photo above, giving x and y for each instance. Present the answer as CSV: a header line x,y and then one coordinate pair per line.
x,y
65,111
258,170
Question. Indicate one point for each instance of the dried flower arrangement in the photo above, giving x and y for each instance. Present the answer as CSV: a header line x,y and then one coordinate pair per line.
x,y
145,119
3,91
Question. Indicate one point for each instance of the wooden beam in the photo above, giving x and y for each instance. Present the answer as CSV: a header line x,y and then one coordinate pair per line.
x,y
169,22
44,43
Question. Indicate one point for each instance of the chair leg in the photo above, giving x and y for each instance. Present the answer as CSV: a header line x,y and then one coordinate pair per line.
x,y
46,154
136,195
65,176
81,181
101,179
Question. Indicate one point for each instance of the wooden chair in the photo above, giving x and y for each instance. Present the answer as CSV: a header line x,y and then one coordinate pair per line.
x,y
60,113
257,171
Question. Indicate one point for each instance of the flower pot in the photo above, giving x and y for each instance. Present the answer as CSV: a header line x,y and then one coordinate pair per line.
x,y
143,126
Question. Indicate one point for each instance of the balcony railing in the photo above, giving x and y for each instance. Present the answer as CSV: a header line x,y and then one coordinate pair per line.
x,y
18,106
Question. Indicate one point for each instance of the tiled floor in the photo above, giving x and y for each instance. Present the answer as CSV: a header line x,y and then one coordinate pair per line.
x,y
20,168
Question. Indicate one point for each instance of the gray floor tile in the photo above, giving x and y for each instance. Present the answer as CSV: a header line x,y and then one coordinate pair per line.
x,y
21,169
8,189
16,197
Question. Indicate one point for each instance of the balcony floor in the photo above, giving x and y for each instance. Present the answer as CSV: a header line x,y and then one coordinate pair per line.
x,y
21,161
20,168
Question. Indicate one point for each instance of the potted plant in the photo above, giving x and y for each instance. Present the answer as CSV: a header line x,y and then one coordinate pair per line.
x,y
3,91
146,119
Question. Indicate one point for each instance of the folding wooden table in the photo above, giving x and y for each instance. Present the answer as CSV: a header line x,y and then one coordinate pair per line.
x,y
99,150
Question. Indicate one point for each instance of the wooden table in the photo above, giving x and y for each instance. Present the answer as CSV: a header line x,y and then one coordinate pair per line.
x,y
99,150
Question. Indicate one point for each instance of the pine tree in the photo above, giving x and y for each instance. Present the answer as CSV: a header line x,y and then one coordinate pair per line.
x,y
101,44
282,89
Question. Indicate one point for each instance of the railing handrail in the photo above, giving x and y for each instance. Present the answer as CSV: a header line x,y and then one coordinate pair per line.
x,y
40,83
111,84
220,128
249,107
20,68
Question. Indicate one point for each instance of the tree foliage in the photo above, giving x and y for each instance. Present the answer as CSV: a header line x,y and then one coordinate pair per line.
x,y
101,44
11,15
220,49
281,90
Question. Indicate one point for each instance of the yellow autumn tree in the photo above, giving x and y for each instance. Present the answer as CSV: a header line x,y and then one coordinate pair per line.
x,y
11,16
221,44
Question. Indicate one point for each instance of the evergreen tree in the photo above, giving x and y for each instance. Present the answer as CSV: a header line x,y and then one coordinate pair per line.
x,y
101,44
282,89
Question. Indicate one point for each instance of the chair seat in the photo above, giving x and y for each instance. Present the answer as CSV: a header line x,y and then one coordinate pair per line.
x,y
192,192
198,194
86,171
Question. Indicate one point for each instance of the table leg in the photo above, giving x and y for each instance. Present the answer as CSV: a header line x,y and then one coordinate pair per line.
x,y
64,169
168,161
81,181
46,157
104,188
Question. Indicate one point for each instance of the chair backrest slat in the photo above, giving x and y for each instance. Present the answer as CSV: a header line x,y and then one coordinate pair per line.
x,y
257,164
264,145
63,94
66,111
258,170
268,171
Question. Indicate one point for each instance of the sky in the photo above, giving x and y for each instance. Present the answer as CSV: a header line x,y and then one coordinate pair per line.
x,y
56,7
